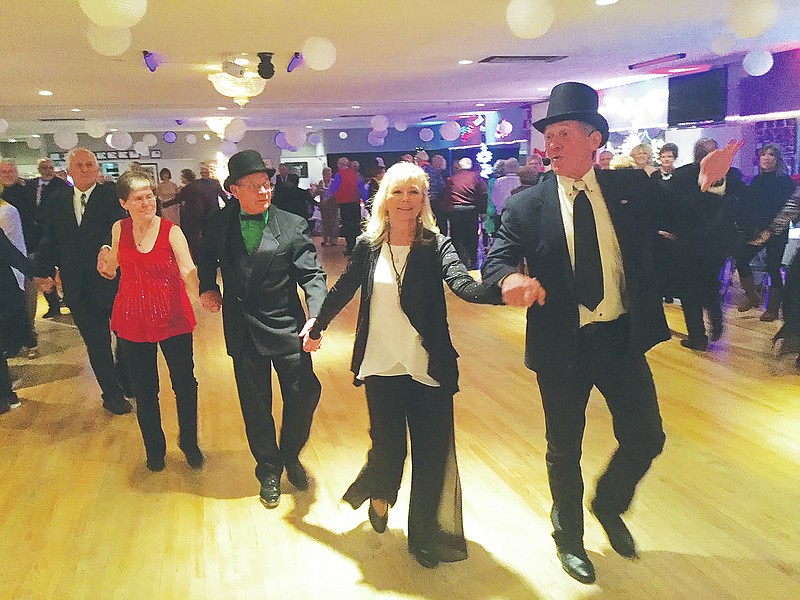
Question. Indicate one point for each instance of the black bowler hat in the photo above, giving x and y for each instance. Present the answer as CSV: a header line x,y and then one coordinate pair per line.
x,y
573,101
245,163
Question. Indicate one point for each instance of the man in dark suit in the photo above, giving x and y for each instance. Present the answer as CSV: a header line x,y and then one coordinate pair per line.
x,y
77,226
294,199
264,254
594,309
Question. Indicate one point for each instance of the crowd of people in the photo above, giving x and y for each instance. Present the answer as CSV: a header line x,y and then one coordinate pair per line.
x,y
581,247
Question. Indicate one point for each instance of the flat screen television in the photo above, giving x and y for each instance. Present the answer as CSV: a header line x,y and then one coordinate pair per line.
x,y
698,98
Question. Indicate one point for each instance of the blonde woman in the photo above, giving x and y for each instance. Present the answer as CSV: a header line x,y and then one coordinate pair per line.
x,y
643,155
404,357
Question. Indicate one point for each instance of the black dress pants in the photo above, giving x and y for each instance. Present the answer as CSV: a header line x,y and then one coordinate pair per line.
x,y
300,390
700,290
351,222
775,246
623,377
464,233
141,361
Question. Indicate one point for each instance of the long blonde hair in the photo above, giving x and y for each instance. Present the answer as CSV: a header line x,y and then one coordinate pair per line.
x,y
377,228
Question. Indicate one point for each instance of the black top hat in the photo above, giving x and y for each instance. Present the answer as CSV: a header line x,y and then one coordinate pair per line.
x,y
242,164
573,101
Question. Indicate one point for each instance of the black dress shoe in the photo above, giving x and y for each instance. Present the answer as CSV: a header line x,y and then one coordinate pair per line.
x,y
577,564
118,406
52,313
618,533
296,474
695,344
378,522
270,494
194,457
156,463
716,333
427,558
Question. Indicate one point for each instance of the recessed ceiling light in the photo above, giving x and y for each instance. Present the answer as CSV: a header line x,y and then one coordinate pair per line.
x,y
206,137
45,93
605,2
465,61
542,89
36,135
356,106
328,120
480,104
309,127
112,129
12,140
222,108
75,109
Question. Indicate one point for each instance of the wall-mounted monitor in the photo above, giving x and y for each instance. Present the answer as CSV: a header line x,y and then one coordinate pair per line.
x,y
698,98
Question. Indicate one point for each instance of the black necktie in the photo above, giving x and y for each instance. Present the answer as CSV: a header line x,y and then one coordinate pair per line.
x,y
249,217
588,268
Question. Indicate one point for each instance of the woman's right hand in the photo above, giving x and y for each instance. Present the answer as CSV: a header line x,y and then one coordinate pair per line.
x,y
211,301
102,264
310,344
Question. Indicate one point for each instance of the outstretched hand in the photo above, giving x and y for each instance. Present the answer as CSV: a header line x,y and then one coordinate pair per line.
x,y
521,290
715,164
310,344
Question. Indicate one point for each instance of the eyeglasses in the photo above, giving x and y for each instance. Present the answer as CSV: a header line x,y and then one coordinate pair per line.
x,y
141,199
256,187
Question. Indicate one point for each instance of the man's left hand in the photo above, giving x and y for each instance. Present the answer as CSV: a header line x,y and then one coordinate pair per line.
x,y
715,165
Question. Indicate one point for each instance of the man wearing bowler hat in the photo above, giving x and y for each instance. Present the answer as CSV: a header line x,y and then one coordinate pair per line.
x,y
264,253
594,309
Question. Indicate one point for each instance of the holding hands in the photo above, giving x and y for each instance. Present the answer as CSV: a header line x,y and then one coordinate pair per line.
x,y
102,263
521,290
310,343
211,301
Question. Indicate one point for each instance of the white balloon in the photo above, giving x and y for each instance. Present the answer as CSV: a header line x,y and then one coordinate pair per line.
x,y
752,18
343,135
228,148
757,62
381,133
108,141
191,138
142,148
114,13
723,44
96,129
109,41
319,53
3,125
400,125
374,140
65,139
426,134
296,136
149,139
530,19
450,131
121,140
34,143
380,122
505,127
235,130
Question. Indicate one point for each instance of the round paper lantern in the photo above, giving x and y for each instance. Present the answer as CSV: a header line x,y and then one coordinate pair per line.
x,y
343,135
752,18
96,129
191,138
280,141
504,127
381,133
121,140
757,62
296,136
319,53
450,131
723,44
108,140
65,139
170,137
314,138
374,140
149,139
235,130
142,149
34,143
426,134
3,125
228,148
114,13
109,41
400,125
379,122
529,19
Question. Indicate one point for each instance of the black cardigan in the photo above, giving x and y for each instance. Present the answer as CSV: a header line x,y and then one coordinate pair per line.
x,y
422,300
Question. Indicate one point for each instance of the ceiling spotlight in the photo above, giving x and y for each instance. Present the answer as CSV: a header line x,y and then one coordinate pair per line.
x,y
45,93
222,108
465,61
150,60
75,109
294,62
356,106
232,69
266,70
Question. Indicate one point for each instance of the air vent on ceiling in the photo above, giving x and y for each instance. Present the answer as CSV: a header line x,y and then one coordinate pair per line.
x,y
512,60
66,120
359,116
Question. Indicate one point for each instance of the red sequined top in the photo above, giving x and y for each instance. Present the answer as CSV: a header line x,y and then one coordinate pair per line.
x,y
152,304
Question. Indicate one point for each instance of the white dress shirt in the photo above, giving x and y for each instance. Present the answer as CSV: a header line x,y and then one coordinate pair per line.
x,y
76,202
612,306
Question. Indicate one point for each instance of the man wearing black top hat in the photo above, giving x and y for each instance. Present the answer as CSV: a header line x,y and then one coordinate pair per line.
x,y
594,309
264,253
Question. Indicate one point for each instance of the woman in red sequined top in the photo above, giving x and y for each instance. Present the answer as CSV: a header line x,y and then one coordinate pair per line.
x,y
152,309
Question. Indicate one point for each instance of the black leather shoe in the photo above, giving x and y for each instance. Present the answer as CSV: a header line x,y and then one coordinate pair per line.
x,y
270,494
695,344
618,534
577,564
296,474
194,457
427,558
378,522
118,406
156,463
716,332
52,313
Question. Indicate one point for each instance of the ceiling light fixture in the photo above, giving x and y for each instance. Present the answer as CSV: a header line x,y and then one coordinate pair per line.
x,y
242,61
605,2
465,61
294,62
222,108
150,60
241,89
657,61
75,109
480,104
45,93
328,120
266,70
355,106
541,89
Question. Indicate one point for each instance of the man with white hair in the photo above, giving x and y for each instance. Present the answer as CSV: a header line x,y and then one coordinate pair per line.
x,y
467,193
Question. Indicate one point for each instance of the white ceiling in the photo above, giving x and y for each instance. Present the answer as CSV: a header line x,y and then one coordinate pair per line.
x,y
394,57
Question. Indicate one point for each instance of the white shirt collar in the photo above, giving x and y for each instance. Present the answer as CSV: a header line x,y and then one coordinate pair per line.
x,y
77,192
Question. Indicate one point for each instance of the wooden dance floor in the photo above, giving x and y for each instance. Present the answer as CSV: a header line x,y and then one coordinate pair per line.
x,y
718,516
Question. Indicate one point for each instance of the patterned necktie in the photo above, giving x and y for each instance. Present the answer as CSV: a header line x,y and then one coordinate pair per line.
x,y
588,268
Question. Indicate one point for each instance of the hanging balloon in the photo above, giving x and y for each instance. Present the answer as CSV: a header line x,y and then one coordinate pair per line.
x,y
170,137
108,41
343,135
530,19
149,139
3,125
65,139
114,13
96,129
108,140
34,143
227,147
752,18
314,138
380,133
319,53
142,148
723,44
374,140
450,131
235,130
426,134
757,62
191,138
296,136
280,141
379,122
400,125
121,140
504,127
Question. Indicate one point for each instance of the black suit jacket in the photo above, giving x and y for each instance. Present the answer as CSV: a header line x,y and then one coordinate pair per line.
x,y
261,299
532,228
74,249
35,229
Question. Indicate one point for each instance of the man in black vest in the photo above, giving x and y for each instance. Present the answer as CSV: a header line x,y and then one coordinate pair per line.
x,y
594,309
264,254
